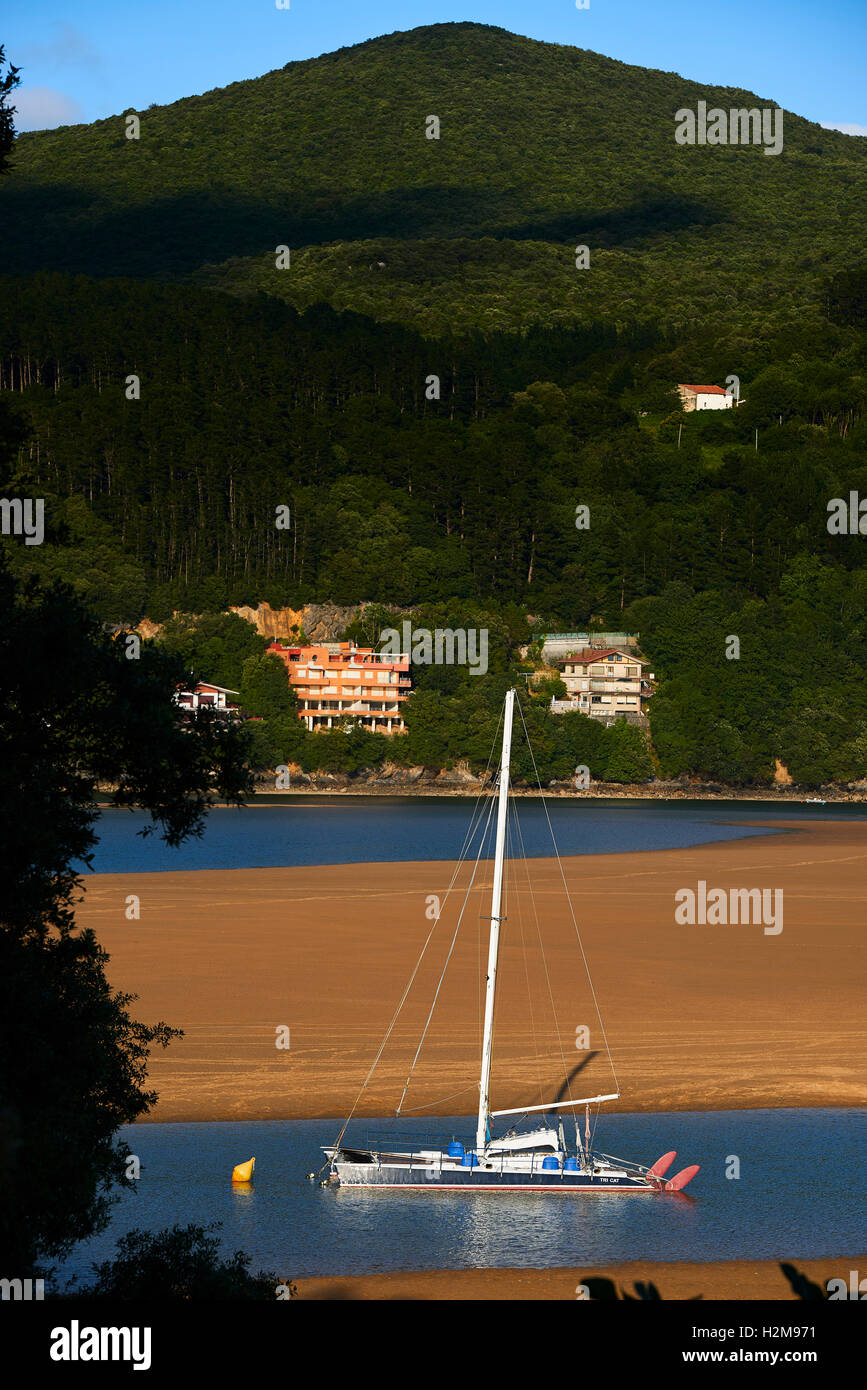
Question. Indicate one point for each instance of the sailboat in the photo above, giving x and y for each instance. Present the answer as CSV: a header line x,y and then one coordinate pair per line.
x,y
538,1159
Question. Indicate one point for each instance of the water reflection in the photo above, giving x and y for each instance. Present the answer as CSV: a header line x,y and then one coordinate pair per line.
x,y
295,1228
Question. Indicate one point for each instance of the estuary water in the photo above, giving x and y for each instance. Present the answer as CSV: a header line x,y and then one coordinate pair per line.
x,y
799,1194
364,830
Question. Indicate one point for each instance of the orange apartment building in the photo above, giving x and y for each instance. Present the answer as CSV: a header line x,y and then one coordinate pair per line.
x,y
337,680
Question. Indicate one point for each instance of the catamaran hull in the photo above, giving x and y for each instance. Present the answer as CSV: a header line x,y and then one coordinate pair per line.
x,y
367,1175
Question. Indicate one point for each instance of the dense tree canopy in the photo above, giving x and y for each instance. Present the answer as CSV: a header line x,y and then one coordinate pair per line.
x,y
463,509
77,709
441,450
9,80
171,500
543,147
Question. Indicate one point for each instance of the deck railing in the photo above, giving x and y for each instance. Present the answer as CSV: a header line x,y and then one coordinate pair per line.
x,y
379,1143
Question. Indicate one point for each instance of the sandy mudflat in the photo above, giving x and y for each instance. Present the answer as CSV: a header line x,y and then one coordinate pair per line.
x,y
698,1017
731,1279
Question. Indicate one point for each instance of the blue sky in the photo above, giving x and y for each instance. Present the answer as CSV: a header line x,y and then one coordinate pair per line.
x,y
95,58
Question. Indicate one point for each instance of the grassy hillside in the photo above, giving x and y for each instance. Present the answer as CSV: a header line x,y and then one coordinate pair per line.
x,y
542,147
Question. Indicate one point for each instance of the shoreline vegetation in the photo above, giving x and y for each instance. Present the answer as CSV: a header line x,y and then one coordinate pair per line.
x,y
421,783
604,792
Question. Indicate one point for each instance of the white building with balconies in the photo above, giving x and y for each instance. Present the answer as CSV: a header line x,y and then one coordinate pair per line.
x,y
605,684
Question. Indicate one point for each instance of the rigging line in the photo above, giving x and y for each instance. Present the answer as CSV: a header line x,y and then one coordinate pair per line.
x,y
479,919
505,889
595,1123
415,971
445,966
475,822
534,908
443,972
479,1026
569,901
544,961
479,979
442,1100
479,916
504,912
520,915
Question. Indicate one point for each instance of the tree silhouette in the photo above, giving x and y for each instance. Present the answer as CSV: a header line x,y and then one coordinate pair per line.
x,y
8,82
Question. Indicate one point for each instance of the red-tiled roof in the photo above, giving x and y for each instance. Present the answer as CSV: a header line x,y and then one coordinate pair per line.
x,y
705,390
588,654
591,654
208,685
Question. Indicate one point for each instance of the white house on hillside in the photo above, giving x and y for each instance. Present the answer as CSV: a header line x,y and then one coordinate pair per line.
x,y
605,684
705,398
207,694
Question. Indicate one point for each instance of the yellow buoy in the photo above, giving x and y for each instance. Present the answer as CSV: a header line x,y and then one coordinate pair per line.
x,y
243,1172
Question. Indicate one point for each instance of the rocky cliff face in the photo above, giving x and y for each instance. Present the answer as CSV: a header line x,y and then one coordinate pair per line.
x,y
319,622
284,623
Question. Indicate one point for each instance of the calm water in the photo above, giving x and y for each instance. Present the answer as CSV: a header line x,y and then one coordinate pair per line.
x,y
781,1206
337,830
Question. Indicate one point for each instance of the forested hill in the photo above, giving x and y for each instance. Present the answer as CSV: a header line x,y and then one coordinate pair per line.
x,y
166,427
542,147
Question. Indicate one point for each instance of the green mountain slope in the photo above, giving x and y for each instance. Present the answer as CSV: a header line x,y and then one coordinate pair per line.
x,y
542,148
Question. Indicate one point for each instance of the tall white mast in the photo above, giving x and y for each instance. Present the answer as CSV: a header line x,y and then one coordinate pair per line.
x,y
496,907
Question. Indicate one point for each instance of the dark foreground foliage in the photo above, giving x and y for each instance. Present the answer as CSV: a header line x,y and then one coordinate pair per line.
x,y
76,710
181,1263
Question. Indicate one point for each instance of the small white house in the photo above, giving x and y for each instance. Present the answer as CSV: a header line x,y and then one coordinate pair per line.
x,y
206,693
705,398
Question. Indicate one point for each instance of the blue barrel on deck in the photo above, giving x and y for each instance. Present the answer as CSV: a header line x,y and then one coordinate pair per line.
x,y
550,1162
571,1165
469,1161
455,1149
